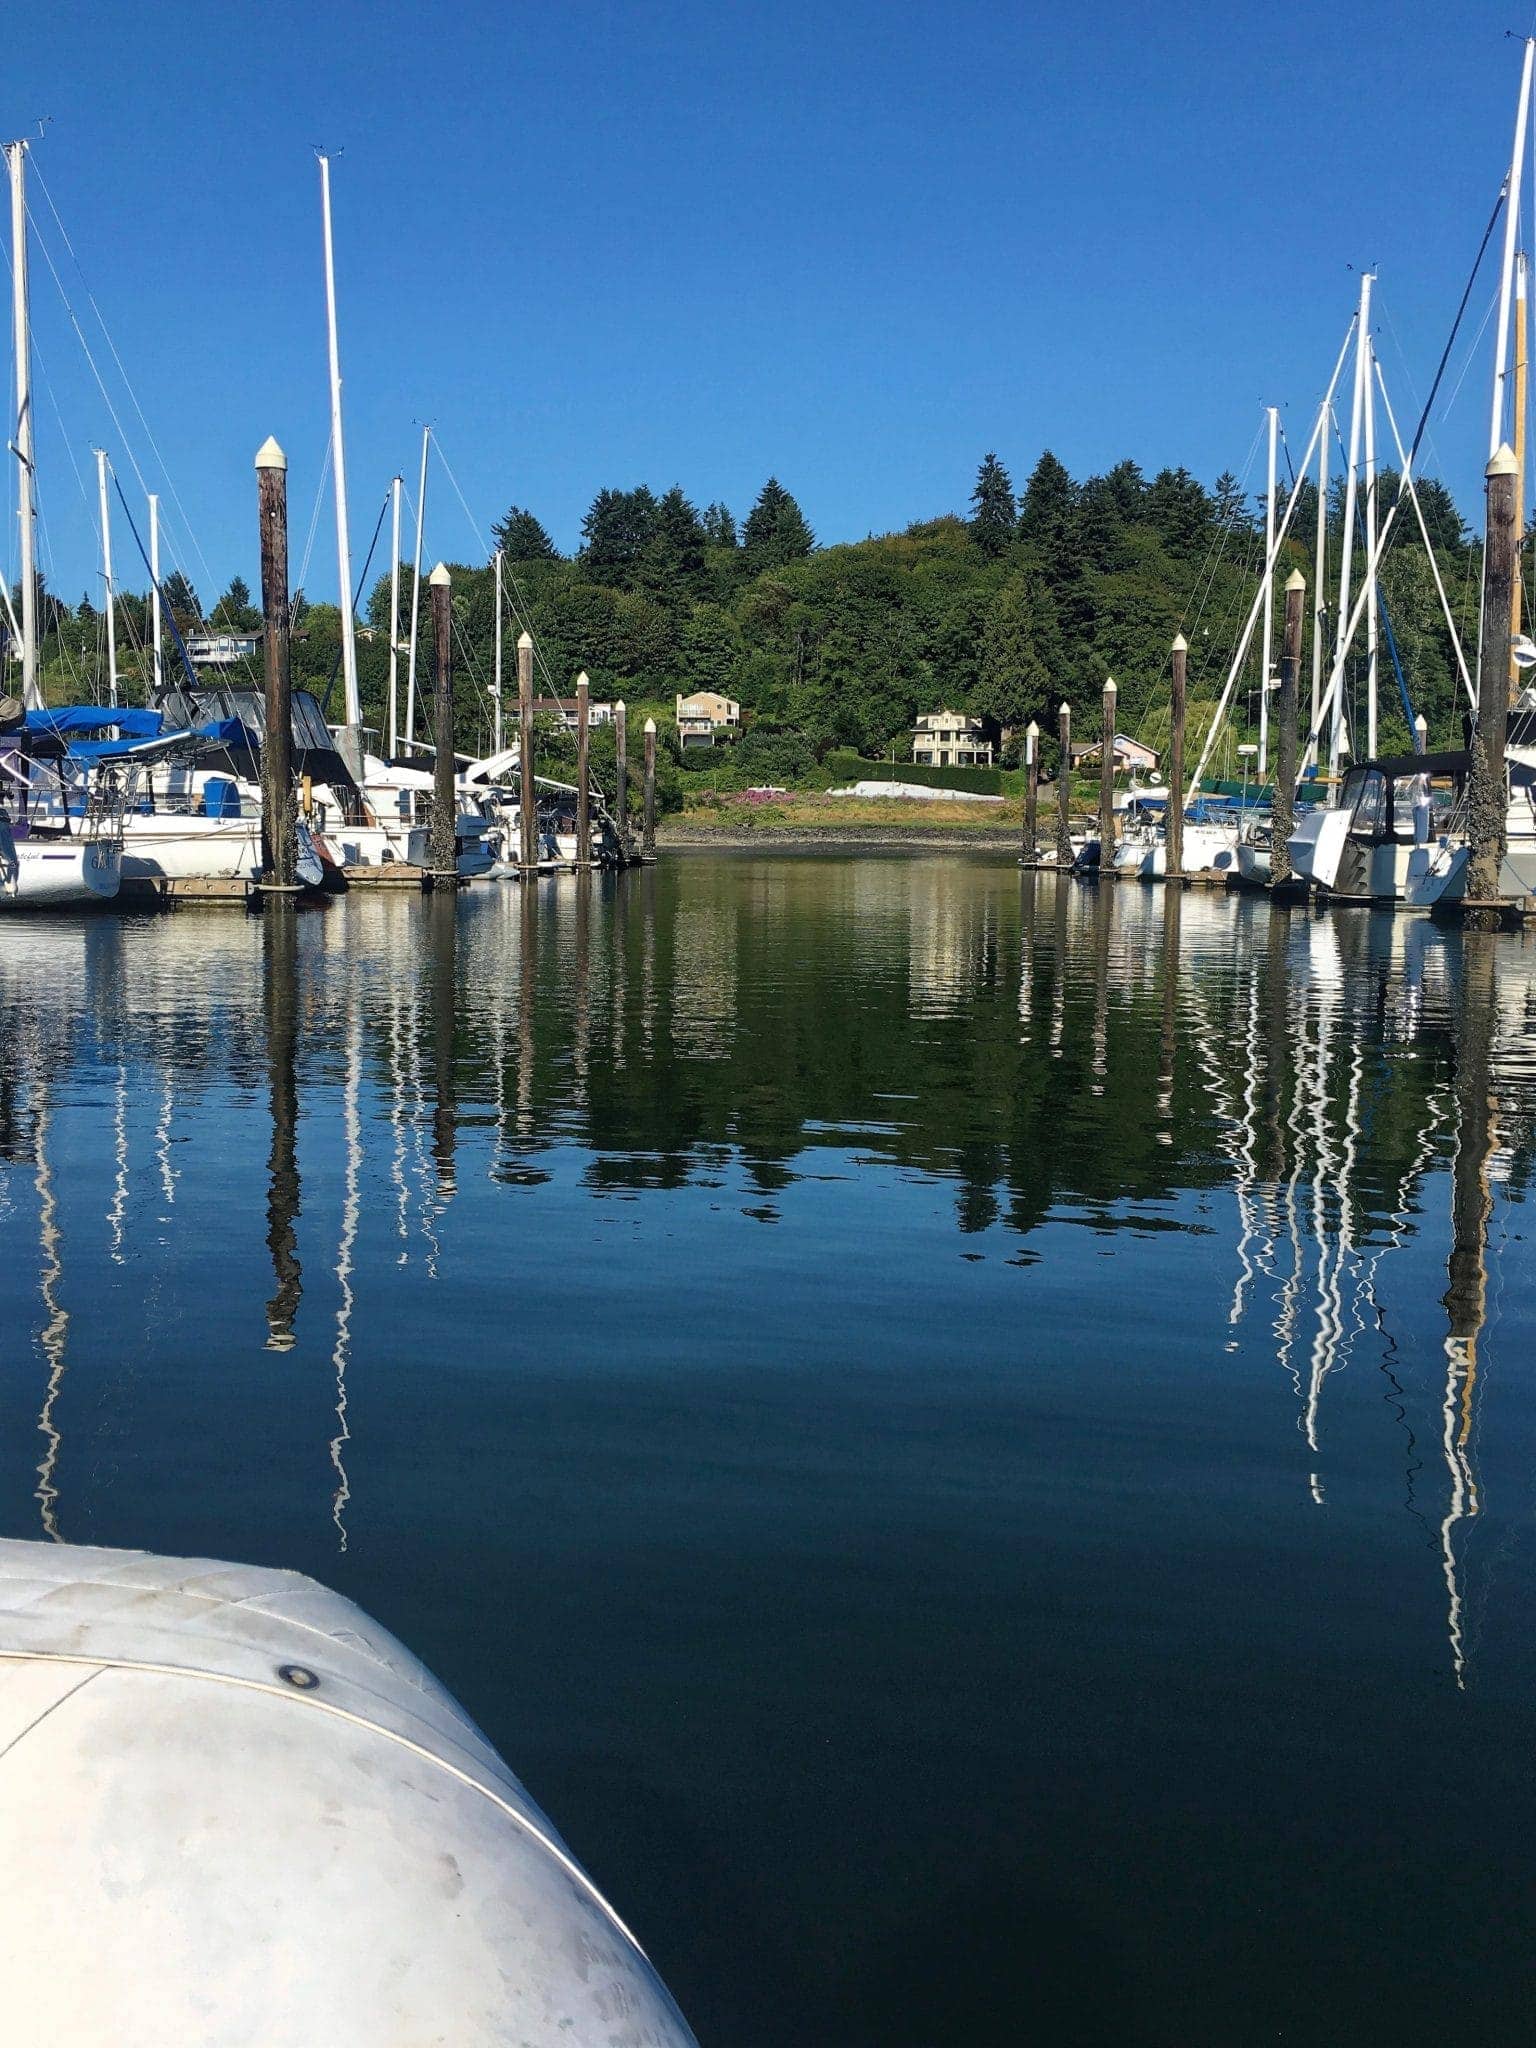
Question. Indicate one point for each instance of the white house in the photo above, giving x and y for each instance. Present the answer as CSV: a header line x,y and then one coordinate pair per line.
x,y
953,739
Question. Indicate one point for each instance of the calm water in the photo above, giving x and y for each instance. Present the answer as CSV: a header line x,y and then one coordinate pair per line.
x,y
971,1439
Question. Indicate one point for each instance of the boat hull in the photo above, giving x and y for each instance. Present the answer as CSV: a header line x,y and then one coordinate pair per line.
x,y
247,1813
54,873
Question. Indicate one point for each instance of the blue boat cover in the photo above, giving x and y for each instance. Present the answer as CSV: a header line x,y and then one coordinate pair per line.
x,y
64,721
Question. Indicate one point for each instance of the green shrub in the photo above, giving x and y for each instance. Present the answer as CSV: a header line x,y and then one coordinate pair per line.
x,y
849,767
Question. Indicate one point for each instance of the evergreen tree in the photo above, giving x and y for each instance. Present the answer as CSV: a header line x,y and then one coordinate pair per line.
x,y
776,531
1049,500
614,535
1232,514
719,527
671,568
1015,680
993,514
181,601
234,612
522,538
1180,511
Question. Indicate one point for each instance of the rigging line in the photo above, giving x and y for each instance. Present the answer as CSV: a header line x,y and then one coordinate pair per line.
x,y
325,703
166,613
187,525
314,517
1477,264
538,654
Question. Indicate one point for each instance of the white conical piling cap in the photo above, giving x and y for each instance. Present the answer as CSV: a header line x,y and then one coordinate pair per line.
x,y
440,576
525,639
1110,686
1180,644
1295,581
1503,463
583,681
270,456
620,706
650,725
1032,731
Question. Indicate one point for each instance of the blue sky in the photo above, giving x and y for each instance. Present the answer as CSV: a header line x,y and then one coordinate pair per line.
x,y
856,246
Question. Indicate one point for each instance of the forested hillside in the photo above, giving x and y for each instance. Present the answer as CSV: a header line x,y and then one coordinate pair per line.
x,y
1024,599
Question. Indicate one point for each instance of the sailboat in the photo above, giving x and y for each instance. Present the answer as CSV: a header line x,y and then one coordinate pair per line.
x,y
62,853
1397,833
391,823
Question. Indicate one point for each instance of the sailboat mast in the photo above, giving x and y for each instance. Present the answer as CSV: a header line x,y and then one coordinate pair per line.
x,y
1319,575
496,684
1373,599
16,163
1351,500
1522,355
106,575
410,673
1269,594
157,659
1511,233
394,616
353,701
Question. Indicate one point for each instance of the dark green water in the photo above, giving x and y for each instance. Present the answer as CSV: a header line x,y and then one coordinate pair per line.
x,y
975,1447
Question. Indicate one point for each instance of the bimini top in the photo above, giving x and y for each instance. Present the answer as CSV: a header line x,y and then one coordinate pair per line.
x,y
247,1814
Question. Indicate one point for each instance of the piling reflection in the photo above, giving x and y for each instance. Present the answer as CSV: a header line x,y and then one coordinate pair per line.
x,y
280,1008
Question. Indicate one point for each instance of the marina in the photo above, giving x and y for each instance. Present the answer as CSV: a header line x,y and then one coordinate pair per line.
x,y
764,1283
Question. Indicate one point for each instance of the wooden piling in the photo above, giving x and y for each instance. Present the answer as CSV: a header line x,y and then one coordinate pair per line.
x,y
279,818
1029,849
445,865
1282,809
528,800
1173,847
1107,782
1064,788
1487,797
621,787
583,775
648,840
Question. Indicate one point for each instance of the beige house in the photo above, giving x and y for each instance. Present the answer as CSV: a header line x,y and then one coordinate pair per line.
x,y
705,713
953,739
1129,753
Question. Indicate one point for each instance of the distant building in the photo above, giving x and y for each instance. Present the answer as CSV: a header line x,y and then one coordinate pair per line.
x,y
704,715
1129,754
953,739
222,650
564,710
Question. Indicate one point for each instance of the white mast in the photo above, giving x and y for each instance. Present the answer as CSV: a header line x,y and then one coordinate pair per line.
x,y
496,684
156,657
1269,595
353,702
1319,572
16,160
106,574
410,677
1511,231
1351,499
1373,603
394,617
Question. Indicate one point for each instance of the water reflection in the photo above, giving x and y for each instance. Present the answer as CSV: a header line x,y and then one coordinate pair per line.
x,y
1036,1056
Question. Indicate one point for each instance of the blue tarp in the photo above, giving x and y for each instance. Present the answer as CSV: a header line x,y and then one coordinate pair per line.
x,y
63,721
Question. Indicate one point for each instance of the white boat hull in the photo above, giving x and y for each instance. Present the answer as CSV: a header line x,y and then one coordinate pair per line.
x,y
53,873
246,1814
